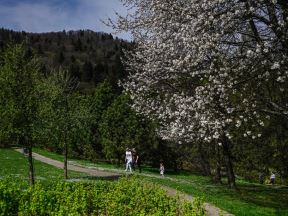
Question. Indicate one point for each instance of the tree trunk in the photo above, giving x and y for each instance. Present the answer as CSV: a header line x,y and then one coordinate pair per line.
x,y
175,166
119,158
228,161
31,168
204,161
217,177
65,160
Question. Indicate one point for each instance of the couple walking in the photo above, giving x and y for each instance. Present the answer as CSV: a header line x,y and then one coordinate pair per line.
x,y
132,159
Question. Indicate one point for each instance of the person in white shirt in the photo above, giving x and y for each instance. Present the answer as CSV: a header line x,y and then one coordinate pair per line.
x,y
128,160
162,169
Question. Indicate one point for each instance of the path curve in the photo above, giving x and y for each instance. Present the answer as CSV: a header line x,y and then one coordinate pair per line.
x,y
60,164
210,209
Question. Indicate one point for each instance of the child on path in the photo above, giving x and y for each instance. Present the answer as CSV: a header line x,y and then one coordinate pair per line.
x,y
162,169
272,178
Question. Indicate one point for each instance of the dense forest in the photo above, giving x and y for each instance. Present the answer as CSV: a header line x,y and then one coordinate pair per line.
x,y
91,57
94,119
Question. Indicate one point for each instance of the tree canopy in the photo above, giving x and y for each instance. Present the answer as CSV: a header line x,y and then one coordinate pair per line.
x,y
206,67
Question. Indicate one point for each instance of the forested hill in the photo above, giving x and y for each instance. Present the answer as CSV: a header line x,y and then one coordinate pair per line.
x,y
90,56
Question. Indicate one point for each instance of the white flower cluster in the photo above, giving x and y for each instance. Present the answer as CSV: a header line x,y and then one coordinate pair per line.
x,y
198,66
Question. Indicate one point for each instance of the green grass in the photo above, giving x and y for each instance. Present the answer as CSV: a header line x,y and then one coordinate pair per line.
x,y
100,165
14,164
249,199
51,155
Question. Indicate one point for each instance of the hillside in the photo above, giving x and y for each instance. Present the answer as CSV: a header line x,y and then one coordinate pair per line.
x,y
90,56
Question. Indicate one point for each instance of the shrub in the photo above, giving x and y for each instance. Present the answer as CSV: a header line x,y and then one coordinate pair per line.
x,y
128,196
10,196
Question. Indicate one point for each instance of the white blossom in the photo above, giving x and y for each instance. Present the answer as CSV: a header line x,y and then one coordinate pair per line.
x,y
190,57
275,66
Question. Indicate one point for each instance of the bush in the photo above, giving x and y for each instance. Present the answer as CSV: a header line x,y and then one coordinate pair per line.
x,y
10,196
128,196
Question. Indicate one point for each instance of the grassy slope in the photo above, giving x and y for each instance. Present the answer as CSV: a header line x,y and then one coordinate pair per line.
x,y
15,164
249,199
58,157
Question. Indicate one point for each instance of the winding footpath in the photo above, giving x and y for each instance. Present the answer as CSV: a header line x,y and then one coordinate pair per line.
x,y
210,209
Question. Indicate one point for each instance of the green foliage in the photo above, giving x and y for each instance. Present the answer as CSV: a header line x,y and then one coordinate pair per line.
x,y
121,127
19,95
197,208
101,100
67,114
92,57
21,98
128,196
10,196
98,102
264,154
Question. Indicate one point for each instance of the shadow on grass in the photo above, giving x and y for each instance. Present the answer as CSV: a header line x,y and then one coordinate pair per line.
x,y
169,171
275,197
260,195
94,178
250,198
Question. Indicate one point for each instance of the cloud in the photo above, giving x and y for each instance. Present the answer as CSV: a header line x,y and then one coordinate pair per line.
x,y
55,15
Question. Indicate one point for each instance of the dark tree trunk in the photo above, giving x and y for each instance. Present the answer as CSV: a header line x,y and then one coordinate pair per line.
x,y
217,177
65,160
66,129
175,166
204,161
31,168
119,158
228,161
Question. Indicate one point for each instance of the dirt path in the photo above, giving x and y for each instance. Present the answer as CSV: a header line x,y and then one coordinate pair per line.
x,y
210,209
59,164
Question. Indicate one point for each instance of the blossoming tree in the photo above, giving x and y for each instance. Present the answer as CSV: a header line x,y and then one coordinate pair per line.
x,y
205,68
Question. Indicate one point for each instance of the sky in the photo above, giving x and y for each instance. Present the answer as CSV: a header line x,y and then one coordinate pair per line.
x,y
59,15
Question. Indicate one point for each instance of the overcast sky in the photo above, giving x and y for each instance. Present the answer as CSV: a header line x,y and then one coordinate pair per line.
x,y
57,15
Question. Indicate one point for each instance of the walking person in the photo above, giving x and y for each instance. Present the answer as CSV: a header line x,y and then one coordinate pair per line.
x,y
136,160
128,160
162,169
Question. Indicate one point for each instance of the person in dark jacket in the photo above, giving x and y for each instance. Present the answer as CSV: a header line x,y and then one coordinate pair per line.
x,y
136,160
